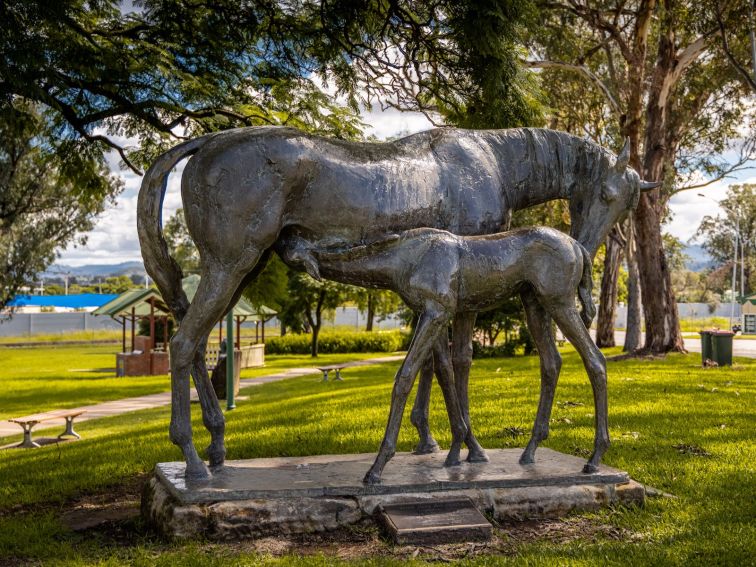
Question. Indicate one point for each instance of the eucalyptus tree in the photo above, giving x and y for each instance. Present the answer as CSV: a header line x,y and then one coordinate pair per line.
x,y
666,84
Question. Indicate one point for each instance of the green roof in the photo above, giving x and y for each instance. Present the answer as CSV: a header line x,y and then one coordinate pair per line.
x,y
139,300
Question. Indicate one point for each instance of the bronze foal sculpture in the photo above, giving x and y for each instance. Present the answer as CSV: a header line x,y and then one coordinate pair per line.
x,y
243,189
439,275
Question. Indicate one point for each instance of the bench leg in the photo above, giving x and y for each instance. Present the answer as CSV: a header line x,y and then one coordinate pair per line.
x,y
69,432
325,376
27,443
338,376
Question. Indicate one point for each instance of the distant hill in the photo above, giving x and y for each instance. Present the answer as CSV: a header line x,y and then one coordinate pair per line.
x,y
96,270
699,258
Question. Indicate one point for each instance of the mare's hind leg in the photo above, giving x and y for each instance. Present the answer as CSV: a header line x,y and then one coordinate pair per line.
x,y
212,416
569,321
444,372
462,335
430,325
214,294
539,325
419,416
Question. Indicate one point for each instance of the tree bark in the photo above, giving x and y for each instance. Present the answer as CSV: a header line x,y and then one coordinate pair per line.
x,y
633,333
659,304
608,296
370,311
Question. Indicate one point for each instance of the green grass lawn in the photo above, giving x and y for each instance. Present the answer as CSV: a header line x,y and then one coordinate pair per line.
x,y
675,426
60,377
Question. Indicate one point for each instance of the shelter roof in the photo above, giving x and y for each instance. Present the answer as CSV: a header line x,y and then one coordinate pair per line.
x,y
140,299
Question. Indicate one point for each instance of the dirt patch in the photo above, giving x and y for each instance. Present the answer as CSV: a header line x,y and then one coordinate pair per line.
x,y
366,541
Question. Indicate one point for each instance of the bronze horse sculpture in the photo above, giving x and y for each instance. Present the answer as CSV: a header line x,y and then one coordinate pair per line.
x,y
439,275
244,189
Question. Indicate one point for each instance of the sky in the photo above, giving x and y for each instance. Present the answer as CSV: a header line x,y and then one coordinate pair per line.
x,y
114,239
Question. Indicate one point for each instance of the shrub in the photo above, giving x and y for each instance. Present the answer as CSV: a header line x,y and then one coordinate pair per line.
x,y
330,342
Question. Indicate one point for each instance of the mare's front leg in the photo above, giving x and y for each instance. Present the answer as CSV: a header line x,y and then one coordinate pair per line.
x,y
539,325
445,374
569,321
419,416
463,328
431,323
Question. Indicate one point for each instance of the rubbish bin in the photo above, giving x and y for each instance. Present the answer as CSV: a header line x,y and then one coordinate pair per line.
x,y
705,346
721,347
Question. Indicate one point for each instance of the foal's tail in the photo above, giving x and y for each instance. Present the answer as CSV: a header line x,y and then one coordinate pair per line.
x,y
584,288
160,266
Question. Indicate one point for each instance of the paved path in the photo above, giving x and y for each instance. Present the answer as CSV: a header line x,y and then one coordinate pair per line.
x,y
740,347
118,407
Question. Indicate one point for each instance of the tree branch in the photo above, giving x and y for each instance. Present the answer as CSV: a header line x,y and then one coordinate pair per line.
x,y
543,64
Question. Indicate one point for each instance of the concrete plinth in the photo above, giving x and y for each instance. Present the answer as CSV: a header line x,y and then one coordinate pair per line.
x,y
259,497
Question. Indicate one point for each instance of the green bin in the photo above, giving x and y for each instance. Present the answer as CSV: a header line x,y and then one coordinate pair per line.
x,y
721,347
705,346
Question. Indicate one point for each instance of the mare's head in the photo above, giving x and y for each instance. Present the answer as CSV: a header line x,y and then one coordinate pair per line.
x,y
605,192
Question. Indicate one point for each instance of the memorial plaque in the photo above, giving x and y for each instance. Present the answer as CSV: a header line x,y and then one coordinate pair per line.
x,y
430,522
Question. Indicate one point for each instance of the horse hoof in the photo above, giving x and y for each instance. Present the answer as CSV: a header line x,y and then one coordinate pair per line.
x,y
526,459
590,469
216,457
426,448
197,471
452,461
371,478
477,456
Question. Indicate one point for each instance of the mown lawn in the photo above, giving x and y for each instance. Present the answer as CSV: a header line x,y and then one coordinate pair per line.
x,y
59,377
676,427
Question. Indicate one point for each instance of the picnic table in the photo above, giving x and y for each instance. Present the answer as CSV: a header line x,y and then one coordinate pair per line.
x,y
28,423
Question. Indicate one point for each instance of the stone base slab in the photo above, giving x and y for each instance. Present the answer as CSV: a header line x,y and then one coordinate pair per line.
x,y
260,497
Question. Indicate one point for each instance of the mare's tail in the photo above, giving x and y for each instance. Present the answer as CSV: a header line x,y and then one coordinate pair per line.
x,y
584,288
160,266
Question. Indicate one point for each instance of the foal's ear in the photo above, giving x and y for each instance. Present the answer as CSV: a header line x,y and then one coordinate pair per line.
x,y
623,158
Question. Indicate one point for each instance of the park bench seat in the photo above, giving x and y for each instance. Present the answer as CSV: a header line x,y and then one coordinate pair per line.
x,y
336,367
28,422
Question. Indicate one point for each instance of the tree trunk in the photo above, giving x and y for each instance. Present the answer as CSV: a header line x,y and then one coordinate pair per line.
x,y
633,334
608,297
314,344
659,304
370,311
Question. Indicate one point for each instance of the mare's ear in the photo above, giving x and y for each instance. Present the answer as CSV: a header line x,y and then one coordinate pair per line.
x,y
623,159
648,185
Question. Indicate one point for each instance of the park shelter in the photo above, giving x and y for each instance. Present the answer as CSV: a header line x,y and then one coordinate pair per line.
x,y
748,310
150,354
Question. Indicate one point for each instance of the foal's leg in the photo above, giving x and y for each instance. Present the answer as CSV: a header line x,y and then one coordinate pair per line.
x,y
443,366
431,324
462,334
539,325
419,415
569,321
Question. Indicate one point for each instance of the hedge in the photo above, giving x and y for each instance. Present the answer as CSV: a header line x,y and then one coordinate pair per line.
x,y
331,342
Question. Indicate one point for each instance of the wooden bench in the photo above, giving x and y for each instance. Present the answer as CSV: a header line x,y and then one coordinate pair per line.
x,y
30,421
337,367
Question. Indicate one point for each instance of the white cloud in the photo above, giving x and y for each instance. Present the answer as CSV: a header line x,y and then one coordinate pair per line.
x,y
690,207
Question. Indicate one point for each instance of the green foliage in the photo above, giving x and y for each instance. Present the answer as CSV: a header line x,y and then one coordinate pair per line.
x,y
180,244
270,287
654,407
378,303
718,233
50,192
330,342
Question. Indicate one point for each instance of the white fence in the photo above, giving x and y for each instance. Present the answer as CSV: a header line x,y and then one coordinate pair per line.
x,y
686,311
350,317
